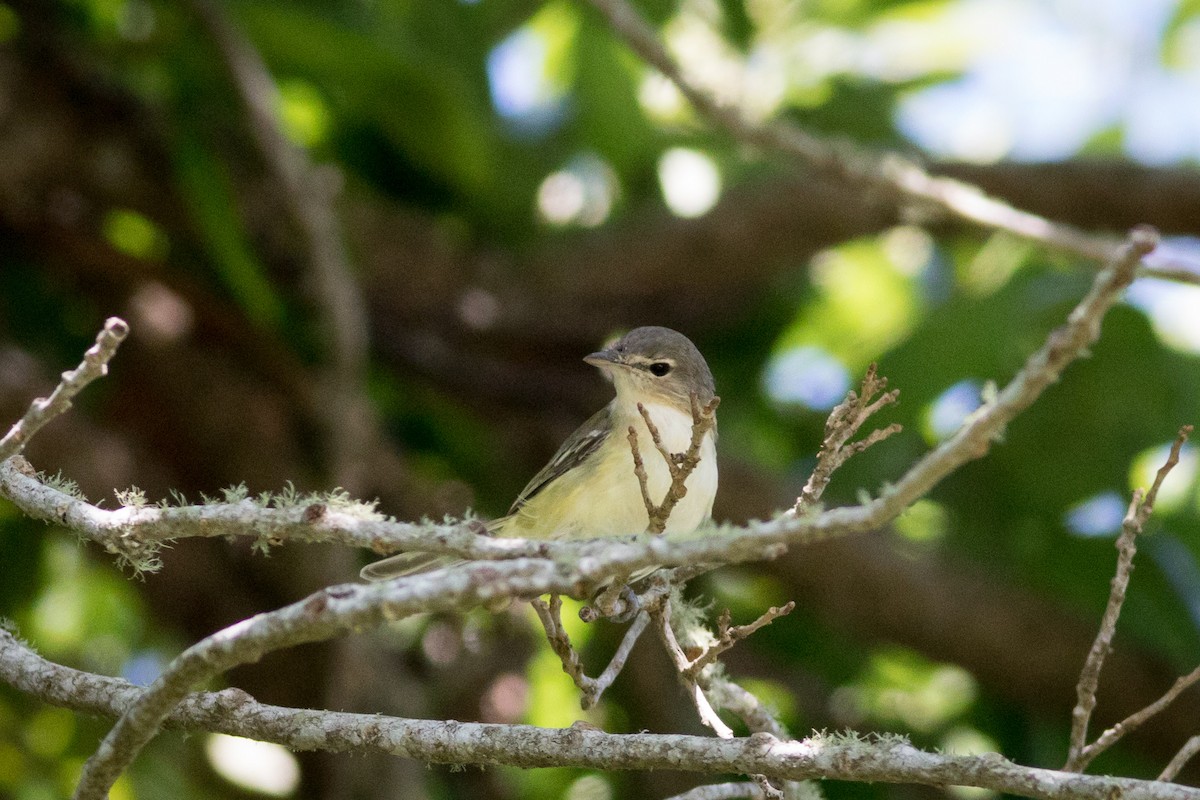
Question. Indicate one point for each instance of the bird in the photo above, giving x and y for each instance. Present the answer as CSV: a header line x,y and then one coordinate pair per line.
x,y
589,488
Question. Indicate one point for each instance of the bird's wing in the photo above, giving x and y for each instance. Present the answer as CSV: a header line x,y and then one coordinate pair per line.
x,y
577,447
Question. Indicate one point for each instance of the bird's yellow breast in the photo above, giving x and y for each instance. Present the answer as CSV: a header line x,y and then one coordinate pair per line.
x,y
601,496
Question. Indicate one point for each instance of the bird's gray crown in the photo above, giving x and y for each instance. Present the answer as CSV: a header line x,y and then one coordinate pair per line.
x,y
661,361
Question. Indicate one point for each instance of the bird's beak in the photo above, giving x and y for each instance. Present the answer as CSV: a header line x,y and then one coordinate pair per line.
x,y
604,359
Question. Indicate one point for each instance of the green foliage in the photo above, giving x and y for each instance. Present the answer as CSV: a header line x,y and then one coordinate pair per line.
x,y
205,185
415,97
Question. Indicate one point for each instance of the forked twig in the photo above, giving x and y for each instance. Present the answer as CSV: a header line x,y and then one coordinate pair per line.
x,y
1134,721
699,684
550,615
1080,753
843,423
680,465
708,714
729,635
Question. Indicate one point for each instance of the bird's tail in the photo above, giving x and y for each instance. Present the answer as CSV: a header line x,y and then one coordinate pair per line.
x,y
405,564
417,562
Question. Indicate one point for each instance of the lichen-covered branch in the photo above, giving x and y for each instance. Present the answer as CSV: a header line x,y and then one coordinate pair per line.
x,y
703,683
661,615
139,527
889,760
94,365
130,528
1080,754
534,568
331,612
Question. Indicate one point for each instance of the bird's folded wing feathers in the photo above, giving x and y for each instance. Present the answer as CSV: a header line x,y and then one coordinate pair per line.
x,y
578,446
586,440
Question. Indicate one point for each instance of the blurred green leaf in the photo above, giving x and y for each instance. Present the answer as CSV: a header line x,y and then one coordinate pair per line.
x,y
207,189
415,99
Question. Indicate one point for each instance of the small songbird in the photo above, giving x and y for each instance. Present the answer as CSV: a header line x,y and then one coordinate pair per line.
x,y
589,489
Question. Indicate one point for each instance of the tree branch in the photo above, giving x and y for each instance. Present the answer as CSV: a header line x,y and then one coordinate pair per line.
x,y
680,465
550,615
134,527
702,685
584,564
1189,749
832,757
1134,721
845,161
323,615
1080,754
94,365
708,715
841,426
728,635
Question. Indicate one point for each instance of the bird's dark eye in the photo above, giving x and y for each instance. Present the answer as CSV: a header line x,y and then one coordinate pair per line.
x,y
660,368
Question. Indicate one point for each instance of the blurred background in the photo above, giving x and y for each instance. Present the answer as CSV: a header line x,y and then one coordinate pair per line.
x,y
512,186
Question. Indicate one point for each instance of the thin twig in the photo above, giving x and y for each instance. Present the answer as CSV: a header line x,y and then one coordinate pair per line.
x,y
1089,676
617,663
842,160
331,612
746,706
42,410
550,615
699,686
842,425
441,742
728,636
639,470
661,614
1189,749
1080,753
592,689
1135,720
117,529
592,562
679,465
